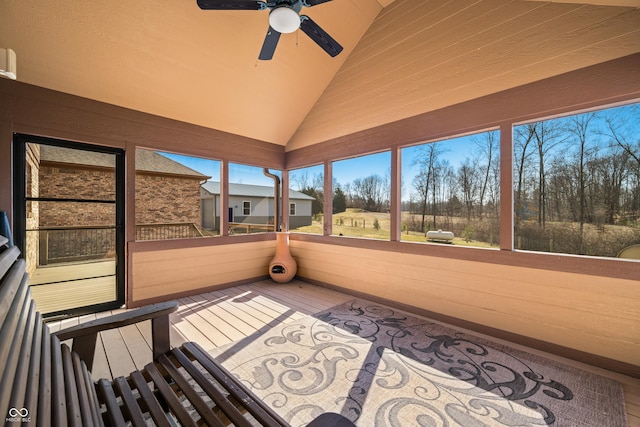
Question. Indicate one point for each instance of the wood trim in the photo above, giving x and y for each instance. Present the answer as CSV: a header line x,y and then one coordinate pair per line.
x,y
158,245
608,83
506,187
224,198
570,353
605,267
284,198
6,169
396,195
327,227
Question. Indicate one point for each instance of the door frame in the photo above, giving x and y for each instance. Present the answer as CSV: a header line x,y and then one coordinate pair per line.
x,y
20,142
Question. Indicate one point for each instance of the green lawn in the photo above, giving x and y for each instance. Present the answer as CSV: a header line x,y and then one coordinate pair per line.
x,y
358,223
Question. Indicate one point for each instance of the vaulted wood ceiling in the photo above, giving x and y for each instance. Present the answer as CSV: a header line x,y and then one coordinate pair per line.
x,y
401,58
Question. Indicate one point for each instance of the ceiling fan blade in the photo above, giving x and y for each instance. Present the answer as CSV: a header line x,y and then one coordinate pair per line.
x,y
320,36
231,5
309,3
269,45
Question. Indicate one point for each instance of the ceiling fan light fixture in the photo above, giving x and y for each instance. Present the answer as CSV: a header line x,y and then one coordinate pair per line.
x,y
284,20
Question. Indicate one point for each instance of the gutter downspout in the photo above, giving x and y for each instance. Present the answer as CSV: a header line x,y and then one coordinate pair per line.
x,y
276,198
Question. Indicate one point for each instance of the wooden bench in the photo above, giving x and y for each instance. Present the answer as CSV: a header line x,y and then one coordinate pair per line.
x,y
44,382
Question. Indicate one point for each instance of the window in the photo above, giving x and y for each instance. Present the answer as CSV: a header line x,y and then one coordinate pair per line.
x,y
292,209
577,183
450,191
251,199
177,196
361,196
307,192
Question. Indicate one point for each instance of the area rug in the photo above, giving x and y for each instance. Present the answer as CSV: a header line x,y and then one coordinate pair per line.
x,y
381,367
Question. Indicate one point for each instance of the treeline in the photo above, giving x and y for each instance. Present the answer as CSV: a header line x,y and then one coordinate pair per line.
x,y
583,169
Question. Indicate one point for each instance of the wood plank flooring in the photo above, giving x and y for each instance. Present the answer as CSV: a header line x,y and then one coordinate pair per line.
x,y
66,286
221,317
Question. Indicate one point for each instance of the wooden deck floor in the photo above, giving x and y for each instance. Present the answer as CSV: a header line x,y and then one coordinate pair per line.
x,y
67,286
221,317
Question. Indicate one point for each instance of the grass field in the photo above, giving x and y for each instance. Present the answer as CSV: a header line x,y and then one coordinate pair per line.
x,y
359,223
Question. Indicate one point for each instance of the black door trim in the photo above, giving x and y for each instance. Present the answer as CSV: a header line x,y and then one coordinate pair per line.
x,y
19,209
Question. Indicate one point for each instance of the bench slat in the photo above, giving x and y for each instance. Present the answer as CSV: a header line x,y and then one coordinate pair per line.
x,y
198,403
149,399
32,384
19,388
93,398
130,404
111,402
13,274
11,335
74,416
43,417
84,392
169,396
212,391
261,412
58,395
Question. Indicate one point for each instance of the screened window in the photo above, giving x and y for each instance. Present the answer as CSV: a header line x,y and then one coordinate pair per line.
x,y
577,183
361,196
307,189
177,196
450,191
292,209
252,206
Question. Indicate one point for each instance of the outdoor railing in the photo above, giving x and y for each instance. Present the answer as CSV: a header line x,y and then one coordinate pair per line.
x,y
79,243
183,230
240,227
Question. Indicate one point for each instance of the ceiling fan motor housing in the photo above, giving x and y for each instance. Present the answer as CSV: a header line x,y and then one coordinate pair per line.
x,y
284,19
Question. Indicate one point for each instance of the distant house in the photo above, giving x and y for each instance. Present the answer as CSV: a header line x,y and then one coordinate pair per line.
x,y
251,204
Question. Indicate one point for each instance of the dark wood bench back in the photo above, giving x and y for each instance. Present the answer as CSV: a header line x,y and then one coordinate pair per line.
x,y
43,383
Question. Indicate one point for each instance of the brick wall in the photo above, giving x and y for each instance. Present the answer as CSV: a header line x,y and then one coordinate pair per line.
x,y
159,199
166,199
76,183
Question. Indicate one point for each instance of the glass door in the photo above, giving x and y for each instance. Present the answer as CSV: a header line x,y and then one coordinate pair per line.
x,y
69,223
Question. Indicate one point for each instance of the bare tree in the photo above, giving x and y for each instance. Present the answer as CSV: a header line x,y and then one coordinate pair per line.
x,y
467,183
524,135
424,181
371,192
579,127
489,147
547,135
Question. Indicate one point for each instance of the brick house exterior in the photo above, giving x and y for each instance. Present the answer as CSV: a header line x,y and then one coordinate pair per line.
x,y
167,193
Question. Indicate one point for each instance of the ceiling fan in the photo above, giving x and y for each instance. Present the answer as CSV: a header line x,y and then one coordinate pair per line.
x,y
284,17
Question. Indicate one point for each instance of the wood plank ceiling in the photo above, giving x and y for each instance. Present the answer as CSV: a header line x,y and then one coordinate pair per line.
x,y
401,58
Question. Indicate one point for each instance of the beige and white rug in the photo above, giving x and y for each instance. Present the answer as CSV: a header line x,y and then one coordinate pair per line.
x,y
380,367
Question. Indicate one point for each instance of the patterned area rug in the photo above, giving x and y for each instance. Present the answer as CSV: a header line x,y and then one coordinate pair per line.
x,y
381,367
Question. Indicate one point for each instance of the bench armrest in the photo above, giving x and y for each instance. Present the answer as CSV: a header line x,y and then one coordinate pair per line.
x,y
85,335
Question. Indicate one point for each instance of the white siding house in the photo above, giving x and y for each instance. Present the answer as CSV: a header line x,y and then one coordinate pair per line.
x,y
251,204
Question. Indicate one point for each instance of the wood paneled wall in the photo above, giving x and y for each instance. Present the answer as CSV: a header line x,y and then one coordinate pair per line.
x,y
160,274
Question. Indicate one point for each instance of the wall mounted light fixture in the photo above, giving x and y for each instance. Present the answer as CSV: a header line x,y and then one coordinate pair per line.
x,y
8,63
